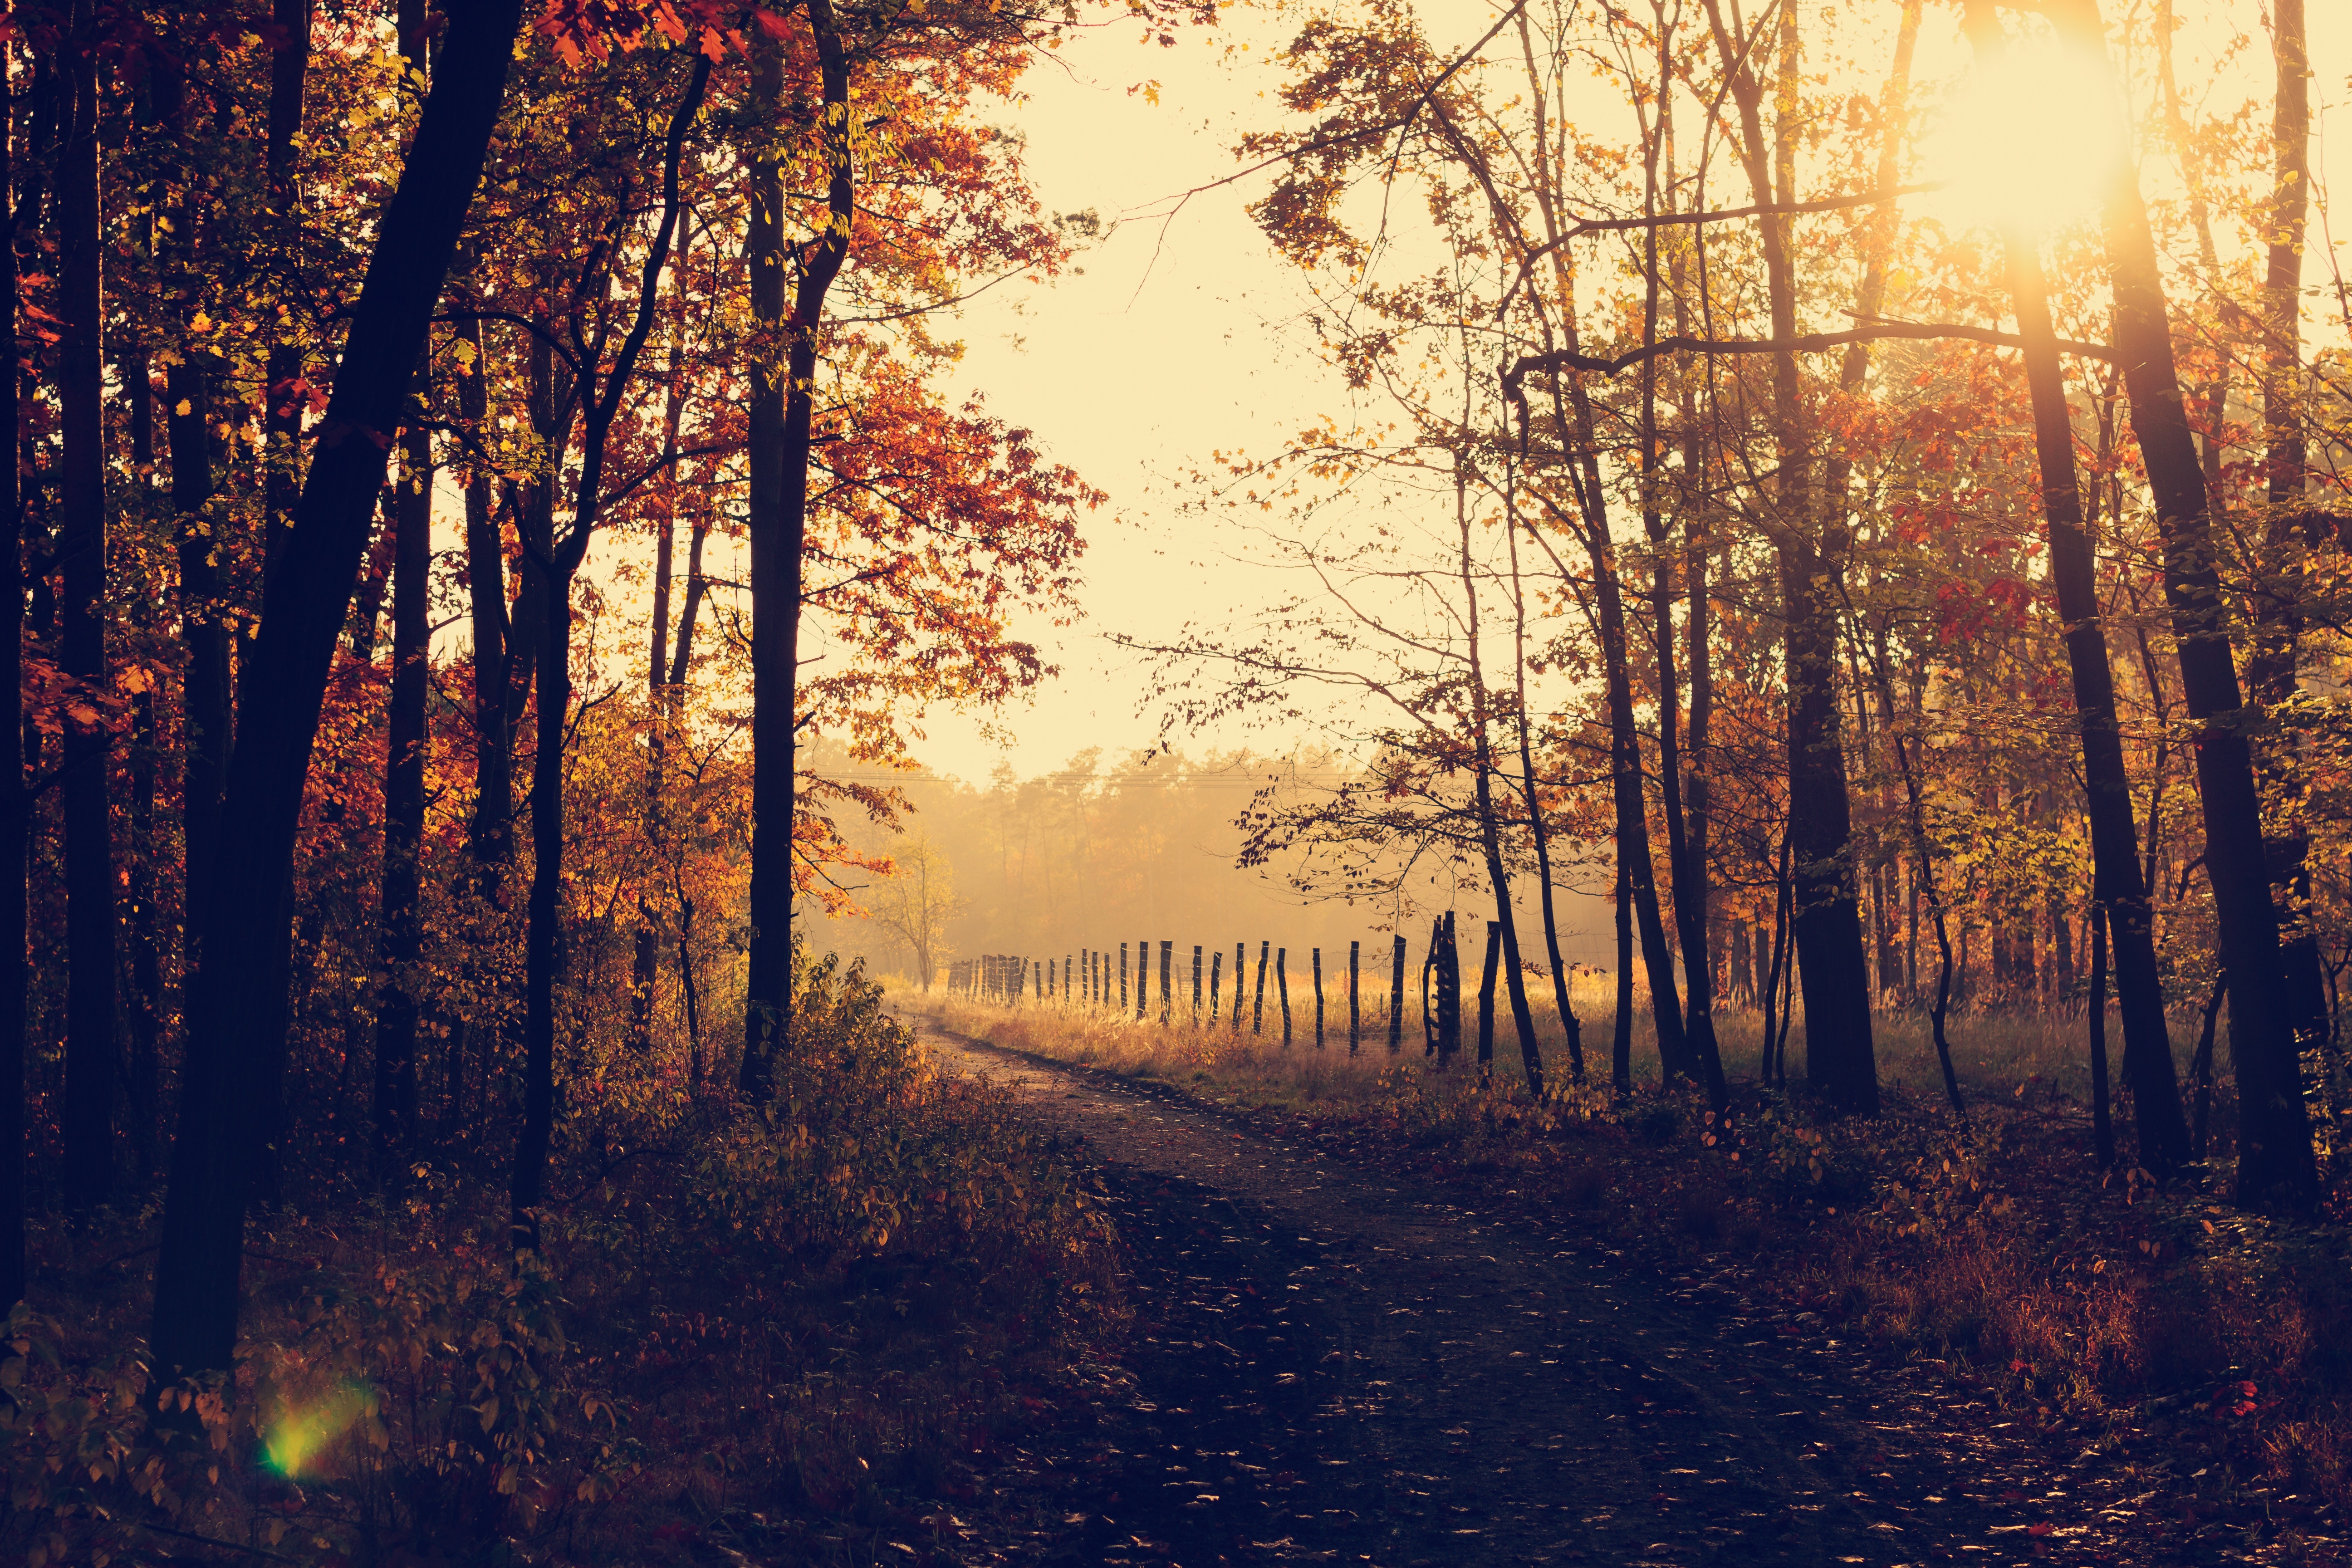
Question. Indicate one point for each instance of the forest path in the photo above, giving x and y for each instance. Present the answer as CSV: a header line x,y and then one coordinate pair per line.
x,y
1338,1365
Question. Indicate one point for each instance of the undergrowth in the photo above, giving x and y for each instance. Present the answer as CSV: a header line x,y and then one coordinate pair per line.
x,y
1991,1247
792,1332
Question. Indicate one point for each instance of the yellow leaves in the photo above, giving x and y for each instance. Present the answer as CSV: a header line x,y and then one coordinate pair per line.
x,y
184,408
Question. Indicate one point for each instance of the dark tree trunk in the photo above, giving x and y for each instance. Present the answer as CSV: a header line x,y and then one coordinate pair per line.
x,y
145,933
91,955
2118,888
205,692
1840,1058
695,586
290,66
1621,1034
2274,1154
14,807
1538,830
237,1038
543,951
780,431
1489,830
403,807
659,713
489,833
1686,874
2288,530
559,560
2103,1133
406,738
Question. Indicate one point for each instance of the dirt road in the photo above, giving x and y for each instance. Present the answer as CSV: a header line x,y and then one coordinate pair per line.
x,y
1338,1365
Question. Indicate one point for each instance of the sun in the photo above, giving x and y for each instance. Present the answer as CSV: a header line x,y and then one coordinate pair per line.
x,y
2030,139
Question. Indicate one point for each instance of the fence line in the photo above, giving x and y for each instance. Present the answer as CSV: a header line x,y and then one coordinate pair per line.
x,y
1085,979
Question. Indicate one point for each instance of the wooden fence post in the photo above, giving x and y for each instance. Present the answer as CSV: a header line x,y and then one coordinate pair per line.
x,y
1355,1018
1143,978
1449,993
1196,986
1240,968
1486,997
1122,977
1167,983
1282,987
1396,1000
1318,998
1431,977
1257,1008
1216,985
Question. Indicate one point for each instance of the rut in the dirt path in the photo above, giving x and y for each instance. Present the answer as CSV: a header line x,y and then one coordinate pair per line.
x,y
1338,1365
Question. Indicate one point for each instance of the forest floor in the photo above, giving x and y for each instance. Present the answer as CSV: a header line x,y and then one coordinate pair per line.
x,y
1338,1361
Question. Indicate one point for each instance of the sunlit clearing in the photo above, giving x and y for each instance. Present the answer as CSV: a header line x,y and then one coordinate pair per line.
x,y
296,1437
2030,139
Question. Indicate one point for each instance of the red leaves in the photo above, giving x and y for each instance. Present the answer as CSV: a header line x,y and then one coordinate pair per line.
x,y
1968,612
584,30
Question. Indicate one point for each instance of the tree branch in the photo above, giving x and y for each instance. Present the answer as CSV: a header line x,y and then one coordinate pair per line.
x,y
1809,342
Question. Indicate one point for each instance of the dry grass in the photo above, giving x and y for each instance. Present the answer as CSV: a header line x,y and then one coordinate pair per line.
x,y
1995,1249
1994,1054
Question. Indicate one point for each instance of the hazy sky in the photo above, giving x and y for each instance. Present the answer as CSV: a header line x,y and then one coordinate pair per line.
x,y
1182,336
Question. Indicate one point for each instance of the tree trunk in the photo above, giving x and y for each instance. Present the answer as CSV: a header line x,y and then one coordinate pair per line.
x,y
559,561
205,690
1489,830
1621,1034
1538,830
2274,1155
1840,1058
406,740
289,64
694,588
780,430
236,1041
91,1064
542,955
658,716
14,804
2288,529
2103,1133
145,934
489,832
1685,875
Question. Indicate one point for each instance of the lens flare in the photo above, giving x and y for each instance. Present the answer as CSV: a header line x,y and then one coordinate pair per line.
x,y
2030,139
303,1430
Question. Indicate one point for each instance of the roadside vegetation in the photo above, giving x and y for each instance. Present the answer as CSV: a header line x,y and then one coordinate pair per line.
x,y
1989,1250
801,1335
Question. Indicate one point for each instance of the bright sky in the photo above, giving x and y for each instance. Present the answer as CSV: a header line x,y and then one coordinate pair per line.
x,y
1180,338
1173,343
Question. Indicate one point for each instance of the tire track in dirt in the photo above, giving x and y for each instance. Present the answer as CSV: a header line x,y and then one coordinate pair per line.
x,y
1341,1364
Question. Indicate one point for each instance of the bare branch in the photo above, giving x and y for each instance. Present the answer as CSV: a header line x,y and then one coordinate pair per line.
x,y
1809,342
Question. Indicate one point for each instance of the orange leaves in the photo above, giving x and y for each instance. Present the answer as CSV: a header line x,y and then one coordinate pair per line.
x,y
581,31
